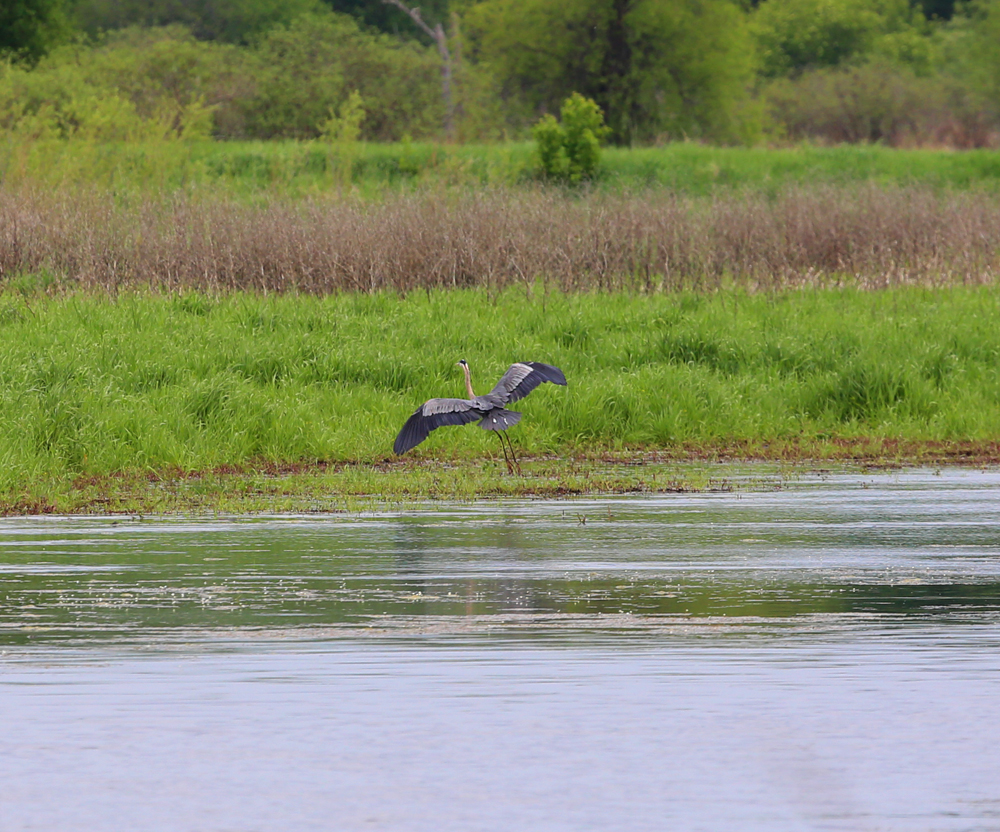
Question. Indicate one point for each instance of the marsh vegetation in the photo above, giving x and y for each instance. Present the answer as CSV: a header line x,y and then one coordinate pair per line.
x,y
148,386
243,327
538,239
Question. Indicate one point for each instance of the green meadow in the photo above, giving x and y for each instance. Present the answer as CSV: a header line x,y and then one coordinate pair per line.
x,y
102,394
370,170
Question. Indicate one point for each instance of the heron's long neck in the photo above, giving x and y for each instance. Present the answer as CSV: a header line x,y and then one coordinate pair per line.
x,y
468,381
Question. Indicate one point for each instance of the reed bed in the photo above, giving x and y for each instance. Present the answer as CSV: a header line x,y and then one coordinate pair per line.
x,y
654,241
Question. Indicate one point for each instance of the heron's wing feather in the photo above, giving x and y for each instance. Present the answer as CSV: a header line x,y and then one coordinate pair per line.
x,y
436,407
430,416
523,377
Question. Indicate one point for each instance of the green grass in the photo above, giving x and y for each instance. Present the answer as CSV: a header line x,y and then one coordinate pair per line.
x,y
151,386
288,168
701,170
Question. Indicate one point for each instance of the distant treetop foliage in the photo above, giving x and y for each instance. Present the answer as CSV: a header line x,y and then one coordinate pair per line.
x,y
901,72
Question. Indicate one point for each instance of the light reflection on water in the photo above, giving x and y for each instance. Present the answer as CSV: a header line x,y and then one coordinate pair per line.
x,y
821,656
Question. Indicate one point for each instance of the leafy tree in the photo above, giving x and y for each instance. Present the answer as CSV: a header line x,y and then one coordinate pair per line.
x,y
970,61
231,21
793,35
436,32
903,81
30,28
936,9
302,71
655,68
385,18
152,84
139,82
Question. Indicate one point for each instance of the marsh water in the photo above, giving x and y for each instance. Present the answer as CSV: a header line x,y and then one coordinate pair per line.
x,y
806,652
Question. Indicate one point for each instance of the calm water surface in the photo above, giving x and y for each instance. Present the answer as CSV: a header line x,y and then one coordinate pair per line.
x,y
823,655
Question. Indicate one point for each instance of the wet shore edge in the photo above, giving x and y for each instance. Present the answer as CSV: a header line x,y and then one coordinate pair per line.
x,y
315,486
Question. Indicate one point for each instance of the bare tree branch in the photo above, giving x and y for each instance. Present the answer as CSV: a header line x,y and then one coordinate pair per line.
x,y
439,37
414,13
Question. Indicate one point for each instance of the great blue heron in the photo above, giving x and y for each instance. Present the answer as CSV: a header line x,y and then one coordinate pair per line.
x,y
515,384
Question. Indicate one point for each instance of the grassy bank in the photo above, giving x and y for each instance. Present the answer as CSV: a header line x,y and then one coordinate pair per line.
x,y
256,170
103,393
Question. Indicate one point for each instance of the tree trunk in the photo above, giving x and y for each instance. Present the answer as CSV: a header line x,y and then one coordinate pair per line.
x,y
616,72
441,39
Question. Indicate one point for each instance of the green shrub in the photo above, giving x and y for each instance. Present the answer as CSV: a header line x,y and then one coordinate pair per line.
x,y
136,85
341,132
970,66
301,72
853,104
879,102
550,144
571,150
140,84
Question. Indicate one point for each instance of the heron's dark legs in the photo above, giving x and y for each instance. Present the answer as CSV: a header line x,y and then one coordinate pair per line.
x,y
513,455
510,468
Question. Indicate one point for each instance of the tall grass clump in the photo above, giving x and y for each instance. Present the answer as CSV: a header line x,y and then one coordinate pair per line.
x,y
497,238
93,384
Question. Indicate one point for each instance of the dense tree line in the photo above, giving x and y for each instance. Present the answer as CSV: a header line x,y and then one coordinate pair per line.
x,y
899,71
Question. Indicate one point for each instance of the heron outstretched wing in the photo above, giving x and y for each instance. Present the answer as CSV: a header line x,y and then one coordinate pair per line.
x,y
432,415
523,377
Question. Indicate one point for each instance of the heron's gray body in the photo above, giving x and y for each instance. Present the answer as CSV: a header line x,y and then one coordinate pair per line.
x,y
493,415
489,410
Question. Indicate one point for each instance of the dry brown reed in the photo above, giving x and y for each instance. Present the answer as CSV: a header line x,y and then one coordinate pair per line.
x,y
868,236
